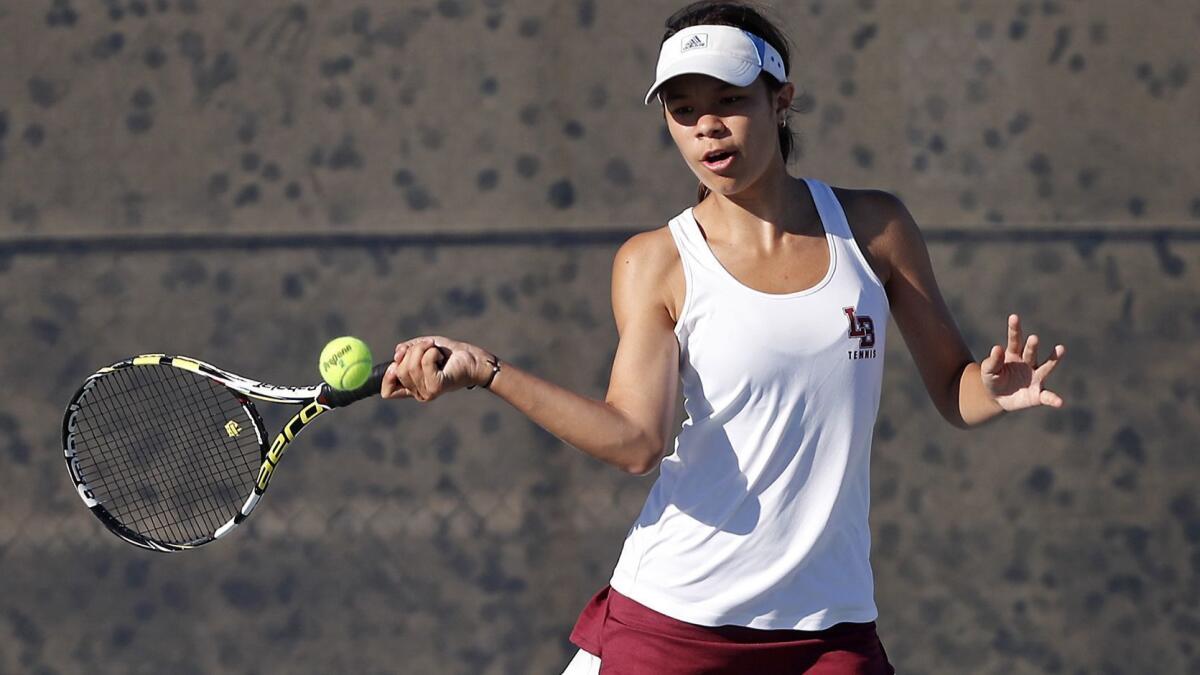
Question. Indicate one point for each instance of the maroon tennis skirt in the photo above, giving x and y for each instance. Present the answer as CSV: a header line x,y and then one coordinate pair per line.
x,y
632,639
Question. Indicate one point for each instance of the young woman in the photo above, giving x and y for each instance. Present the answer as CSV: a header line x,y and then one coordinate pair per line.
x,y
768,300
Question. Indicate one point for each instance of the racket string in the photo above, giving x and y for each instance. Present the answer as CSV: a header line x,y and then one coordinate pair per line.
x,y
129,455
188,486
195,472
200,484
160,449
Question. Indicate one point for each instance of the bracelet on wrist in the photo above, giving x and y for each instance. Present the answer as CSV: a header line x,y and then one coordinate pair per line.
x,y
495,363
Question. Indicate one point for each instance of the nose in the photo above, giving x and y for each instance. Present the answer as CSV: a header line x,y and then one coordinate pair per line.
x,y
710,126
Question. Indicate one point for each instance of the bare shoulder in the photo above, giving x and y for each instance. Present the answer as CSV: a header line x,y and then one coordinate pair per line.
x,y
649,262
881,225
650,253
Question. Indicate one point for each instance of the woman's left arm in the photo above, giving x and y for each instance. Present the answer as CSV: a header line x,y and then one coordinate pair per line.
x,y
965,392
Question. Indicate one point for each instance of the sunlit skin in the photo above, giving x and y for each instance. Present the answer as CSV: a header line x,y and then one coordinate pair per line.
x,y
758,211
757,218
705,114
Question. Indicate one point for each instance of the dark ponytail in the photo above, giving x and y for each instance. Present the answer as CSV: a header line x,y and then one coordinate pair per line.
x,y
749,18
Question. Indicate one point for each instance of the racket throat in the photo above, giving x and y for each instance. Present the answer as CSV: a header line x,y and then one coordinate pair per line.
x,y
270,460
280,445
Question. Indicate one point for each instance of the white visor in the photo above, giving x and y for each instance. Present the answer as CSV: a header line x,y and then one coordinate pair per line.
x,y
729,54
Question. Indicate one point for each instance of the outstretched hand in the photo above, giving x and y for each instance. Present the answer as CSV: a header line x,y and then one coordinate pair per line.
x,y
1014,378
426,367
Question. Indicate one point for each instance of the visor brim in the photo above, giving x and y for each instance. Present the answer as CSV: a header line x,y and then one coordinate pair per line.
x,y
734,71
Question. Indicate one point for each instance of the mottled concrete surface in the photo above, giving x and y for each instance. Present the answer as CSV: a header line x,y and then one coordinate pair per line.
x,y
270,115
458,537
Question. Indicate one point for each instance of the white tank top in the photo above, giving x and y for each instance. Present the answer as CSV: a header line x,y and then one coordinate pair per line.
x,y
759,516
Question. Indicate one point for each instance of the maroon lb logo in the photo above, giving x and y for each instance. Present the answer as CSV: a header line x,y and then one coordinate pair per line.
x,y
861,327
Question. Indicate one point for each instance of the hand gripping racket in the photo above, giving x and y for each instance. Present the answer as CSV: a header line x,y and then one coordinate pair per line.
x,y
170,453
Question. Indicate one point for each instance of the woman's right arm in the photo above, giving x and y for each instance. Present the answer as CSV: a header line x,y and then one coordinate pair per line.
x,y
630,427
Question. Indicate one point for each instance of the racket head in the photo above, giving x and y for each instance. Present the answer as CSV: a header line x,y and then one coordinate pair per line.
x,y
163,452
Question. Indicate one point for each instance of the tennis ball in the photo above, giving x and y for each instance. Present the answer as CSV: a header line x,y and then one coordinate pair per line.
x,y
345,363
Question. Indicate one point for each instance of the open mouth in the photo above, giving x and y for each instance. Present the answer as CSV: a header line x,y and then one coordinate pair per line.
x,y
718,159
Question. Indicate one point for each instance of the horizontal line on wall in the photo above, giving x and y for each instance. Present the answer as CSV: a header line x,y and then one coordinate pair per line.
x,y
154,243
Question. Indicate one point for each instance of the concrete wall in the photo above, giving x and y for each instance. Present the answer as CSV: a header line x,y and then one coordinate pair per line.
x,y
1049,150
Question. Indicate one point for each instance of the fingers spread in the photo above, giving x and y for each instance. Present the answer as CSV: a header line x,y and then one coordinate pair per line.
x,y
1014,334
1030,355
995,359
1050,398
1044,370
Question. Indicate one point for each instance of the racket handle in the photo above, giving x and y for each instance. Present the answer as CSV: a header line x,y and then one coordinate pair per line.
x,y
336,398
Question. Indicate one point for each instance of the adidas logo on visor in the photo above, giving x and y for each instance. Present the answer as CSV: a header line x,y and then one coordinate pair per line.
x,y
695,42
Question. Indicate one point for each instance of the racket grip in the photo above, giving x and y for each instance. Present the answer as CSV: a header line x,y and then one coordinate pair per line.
x,y
337,398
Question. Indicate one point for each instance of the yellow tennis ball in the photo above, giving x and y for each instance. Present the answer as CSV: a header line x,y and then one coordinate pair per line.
x,y
345,363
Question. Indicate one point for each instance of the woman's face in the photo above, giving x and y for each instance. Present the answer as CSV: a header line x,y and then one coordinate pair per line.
x,y
728,135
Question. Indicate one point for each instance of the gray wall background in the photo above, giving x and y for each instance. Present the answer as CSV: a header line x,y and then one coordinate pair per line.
x,y
1049,150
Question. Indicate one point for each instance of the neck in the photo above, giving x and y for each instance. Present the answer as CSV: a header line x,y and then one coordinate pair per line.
x,y
774,206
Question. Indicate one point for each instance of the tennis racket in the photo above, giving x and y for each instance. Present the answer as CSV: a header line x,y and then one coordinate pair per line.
x,y
170,453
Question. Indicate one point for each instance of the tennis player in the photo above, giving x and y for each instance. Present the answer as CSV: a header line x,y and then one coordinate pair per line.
x,y
769,301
